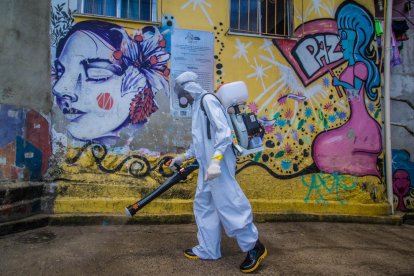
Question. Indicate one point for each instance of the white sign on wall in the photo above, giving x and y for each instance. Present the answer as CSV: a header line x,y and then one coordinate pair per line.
x,y
191,51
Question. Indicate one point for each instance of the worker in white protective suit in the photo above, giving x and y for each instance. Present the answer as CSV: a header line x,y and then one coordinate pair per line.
x,y
219,199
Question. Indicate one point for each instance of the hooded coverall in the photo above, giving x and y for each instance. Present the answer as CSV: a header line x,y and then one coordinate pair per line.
x,y
219,201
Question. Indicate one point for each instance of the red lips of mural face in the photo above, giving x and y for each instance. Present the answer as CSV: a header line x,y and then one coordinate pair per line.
x,y
105,101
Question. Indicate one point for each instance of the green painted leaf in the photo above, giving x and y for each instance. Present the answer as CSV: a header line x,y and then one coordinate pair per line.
x,y
377,113
300,125
276,116
257,156
325,123
280,154
320,114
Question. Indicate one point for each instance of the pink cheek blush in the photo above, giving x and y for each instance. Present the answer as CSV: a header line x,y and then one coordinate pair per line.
x,y
105,101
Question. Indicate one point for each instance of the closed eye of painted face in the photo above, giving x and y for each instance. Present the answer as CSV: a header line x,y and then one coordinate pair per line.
x,y
100,69
88,87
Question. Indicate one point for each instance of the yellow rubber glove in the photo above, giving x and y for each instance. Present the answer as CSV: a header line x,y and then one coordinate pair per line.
x,y
214,169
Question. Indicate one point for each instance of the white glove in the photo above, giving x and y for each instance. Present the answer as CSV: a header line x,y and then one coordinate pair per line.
x,y
177,161
213,170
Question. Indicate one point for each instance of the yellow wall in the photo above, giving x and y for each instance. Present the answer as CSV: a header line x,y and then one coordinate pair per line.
x,y
271,186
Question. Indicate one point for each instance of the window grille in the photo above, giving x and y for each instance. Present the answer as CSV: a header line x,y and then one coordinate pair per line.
x,y
144,10
261,17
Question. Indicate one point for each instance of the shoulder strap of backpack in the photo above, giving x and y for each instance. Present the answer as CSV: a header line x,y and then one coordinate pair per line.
x,y
205,113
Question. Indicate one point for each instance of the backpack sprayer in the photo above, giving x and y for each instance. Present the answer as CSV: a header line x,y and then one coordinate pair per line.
x,y
247,132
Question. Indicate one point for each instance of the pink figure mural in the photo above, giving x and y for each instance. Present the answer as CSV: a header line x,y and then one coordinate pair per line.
x,y
354,147
401,186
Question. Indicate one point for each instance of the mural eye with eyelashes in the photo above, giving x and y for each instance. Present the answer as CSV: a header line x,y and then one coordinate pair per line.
x,y
99,70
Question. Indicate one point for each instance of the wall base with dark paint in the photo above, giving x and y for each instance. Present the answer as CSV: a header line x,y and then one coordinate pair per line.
x,y
19,200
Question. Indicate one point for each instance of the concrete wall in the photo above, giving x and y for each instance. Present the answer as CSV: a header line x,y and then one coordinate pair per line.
x,y
402,98
402,115
323,149
25,105
24,74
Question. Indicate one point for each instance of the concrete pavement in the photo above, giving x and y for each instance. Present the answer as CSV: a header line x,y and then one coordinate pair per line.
x,y
295,248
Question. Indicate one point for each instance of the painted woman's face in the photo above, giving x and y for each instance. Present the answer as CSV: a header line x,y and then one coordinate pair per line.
x,y
88,88
347,40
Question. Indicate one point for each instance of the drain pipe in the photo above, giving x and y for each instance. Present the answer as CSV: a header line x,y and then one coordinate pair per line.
x,y
387,104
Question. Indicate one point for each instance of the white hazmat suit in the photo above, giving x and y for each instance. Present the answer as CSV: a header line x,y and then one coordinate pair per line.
x,y
219,201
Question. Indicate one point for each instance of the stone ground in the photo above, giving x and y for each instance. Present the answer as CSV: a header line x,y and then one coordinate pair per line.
x,y
295,248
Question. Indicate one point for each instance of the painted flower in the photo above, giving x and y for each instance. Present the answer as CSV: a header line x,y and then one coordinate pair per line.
x,y
253,107
288,113
326,82
146,60
311,128
279,137
371,107
288,149
308,112
269,128
341,115
332,118
295,135
328,106
281,122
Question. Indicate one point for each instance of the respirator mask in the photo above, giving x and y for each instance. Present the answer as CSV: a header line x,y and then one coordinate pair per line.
x,y
184,97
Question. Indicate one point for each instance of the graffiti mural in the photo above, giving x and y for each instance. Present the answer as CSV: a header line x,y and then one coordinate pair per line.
x,y
354,147
317,53
321,183
403,180
106,79
317,96
136,165
320,115
24,144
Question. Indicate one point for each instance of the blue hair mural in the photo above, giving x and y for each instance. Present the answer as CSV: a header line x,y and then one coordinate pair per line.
x,y
355,18
354,147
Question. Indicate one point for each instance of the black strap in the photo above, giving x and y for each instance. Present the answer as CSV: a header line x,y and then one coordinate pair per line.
x,y
205,113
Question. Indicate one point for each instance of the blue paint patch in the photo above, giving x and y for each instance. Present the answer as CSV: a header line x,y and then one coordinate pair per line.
x,y
11,123
285,164
332,118
308,112
311,128
371,107
341,115
29,157
279,137
326,82
281,122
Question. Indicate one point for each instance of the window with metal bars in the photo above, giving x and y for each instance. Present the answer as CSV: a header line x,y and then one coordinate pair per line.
x,y
261,17
145,10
